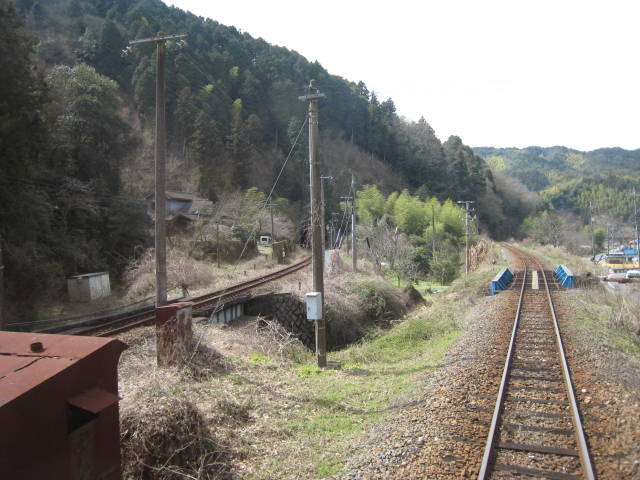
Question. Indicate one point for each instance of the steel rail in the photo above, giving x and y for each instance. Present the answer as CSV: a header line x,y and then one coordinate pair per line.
x,y
583,450
488,451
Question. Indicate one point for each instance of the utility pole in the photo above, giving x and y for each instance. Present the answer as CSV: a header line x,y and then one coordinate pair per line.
x,y
593,234
467,233
271,205
322,207
334,230
161,208
433,232
353,224
347,199
313,94
218,242
635,219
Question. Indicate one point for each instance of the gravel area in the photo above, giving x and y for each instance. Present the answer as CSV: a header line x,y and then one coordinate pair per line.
x,y
441,435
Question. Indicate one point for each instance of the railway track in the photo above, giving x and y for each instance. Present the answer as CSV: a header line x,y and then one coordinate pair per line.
x,y
536,429
112,326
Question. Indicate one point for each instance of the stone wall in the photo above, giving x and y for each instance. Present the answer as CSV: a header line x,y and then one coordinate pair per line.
x,y
292,314
287,310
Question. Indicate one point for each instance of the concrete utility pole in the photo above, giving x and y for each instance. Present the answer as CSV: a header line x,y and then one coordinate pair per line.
x,y
347,200
353,225
467,233
593,234
635,219
334,229
316,234
433,232
271,205
161,209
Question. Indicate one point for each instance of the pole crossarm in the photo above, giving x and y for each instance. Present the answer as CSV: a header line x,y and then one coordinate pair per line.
x,y
159,38
312,96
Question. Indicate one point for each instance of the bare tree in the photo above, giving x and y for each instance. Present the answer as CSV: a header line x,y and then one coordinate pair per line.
x,y
550,229
385,245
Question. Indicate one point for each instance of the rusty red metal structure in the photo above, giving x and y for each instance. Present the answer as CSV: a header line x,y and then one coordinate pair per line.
x,y
59,407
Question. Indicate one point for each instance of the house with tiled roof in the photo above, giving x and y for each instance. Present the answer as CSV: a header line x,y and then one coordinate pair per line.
x,y
188,205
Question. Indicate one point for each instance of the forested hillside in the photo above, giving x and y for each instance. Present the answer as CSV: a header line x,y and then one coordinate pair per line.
x,y
584,183
78,121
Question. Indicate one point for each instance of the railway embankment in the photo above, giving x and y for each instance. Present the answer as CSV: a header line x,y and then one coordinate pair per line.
x,y
410,401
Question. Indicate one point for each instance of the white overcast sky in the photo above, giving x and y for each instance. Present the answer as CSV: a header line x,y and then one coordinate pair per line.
x,y
495,73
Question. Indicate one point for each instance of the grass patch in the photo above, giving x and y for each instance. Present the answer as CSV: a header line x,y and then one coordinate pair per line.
x,y
610,319
375,373
308,370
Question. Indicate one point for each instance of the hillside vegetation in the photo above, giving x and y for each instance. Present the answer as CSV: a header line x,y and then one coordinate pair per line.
x,y
77,151
583,183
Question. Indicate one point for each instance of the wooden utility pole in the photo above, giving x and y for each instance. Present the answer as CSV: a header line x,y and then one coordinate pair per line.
x,y
161,209
316,234
322,221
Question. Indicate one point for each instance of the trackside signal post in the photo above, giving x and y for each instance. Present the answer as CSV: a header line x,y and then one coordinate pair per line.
x,y
161,224
317,260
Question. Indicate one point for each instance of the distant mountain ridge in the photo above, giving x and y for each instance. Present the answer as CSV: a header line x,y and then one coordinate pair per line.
x,y
540,167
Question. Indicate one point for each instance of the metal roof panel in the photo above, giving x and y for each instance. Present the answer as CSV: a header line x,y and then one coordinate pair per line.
x,y
22,368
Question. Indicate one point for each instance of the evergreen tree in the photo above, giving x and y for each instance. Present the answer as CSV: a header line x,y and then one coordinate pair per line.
x,y
93,137
22,97
110,43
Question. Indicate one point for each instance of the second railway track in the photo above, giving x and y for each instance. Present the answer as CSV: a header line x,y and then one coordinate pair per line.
x,y
112,326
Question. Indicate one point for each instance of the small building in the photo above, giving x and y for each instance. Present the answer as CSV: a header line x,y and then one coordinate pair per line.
x,y
265,239
182,210
85,288
59,407
188,205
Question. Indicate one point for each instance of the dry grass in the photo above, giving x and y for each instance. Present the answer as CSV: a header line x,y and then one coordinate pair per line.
x,y
238,399
166,437
188,421
197,276
140,275
230,403
164,433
